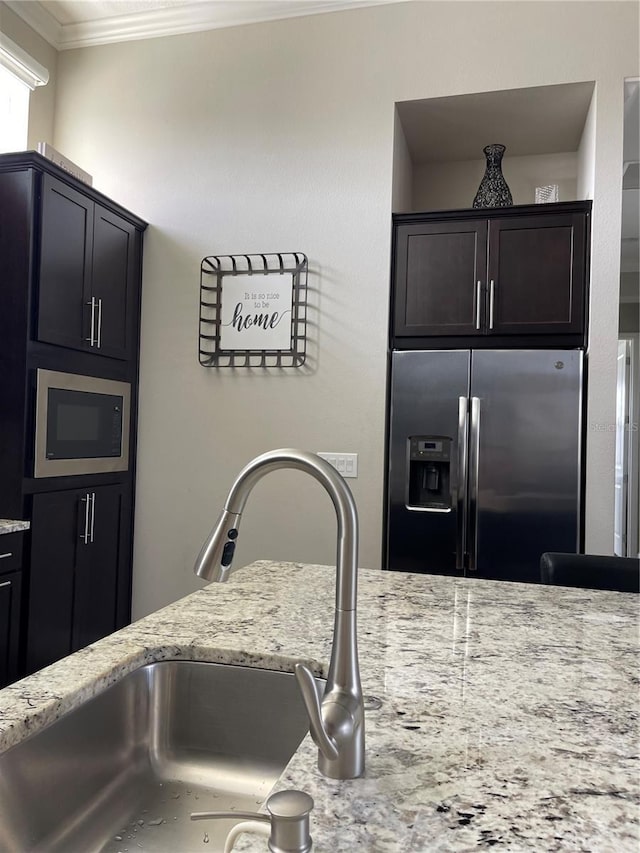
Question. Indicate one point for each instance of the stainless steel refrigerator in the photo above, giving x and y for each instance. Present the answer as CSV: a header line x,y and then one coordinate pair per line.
x,y
484,460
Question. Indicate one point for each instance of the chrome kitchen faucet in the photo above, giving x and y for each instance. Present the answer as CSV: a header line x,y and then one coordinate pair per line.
x,y
337,718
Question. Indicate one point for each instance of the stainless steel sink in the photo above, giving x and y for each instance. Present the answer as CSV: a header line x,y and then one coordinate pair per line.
x,y
123,771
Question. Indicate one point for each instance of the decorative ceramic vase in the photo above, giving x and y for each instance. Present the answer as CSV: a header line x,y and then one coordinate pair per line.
x,y
493,190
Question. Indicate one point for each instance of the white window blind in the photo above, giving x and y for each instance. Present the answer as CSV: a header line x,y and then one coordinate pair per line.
x,y
21,65
19,75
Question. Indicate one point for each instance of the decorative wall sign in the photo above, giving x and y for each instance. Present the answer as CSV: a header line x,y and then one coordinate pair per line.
x,y
253,310
255,316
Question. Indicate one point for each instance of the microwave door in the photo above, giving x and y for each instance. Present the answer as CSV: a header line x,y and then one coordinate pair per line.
x,y
81,424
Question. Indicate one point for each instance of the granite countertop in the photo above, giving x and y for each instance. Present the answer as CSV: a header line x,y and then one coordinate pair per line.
x,y
9,525
509,713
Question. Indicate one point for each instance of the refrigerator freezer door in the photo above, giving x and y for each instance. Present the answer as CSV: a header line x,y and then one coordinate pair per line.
x,y
528,465
425,457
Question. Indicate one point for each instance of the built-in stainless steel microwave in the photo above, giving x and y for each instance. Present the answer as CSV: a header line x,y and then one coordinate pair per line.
x,y
82,425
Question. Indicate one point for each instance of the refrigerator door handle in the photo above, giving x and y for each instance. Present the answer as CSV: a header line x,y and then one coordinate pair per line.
x,y
474,461
461,502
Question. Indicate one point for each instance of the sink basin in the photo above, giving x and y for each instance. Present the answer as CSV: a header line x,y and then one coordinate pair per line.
x,y
124,770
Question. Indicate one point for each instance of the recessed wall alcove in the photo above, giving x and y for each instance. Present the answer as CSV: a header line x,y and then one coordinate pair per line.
x,y
548,132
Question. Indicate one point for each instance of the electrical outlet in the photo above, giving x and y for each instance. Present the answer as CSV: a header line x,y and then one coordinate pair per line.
x,y
345,463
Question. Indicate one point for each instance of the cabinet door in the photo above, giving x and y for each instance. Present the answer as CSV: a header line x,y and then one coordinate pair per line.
x,y
537,274
440,270
77,555
114,285
11,552
56,523
97,567
65,265
9,626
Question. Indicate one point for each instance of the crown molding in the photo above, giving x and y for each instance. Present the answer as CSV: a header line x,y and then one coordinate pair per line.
x,y
174,20
38,19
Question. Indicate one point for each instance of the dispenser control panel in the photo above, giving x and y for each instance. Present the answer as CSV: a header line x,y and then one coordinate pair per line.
x,y
429,473
427,447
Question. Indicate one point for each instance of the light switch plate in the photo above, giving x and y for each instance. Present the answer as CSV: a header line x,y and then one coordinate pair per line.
x,y
345,463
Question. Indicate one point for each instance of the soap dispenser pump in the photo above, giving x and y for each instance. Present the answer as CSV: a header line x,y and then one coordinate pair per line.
x,y
287,819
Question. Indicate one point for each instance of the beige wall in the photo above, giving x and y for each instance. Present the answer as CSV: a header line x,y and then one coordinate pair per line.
x,y
278,137
42,100
587,152
441,186
629,318
402,182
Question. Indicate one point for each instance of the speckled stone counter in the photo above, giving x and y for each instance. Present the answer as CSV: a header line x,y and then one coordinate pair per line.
x,y
8,525
509,714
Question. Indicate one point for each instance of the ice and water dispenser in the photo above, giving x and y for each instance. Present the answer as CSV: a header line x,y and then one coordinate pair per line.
x,y
429,472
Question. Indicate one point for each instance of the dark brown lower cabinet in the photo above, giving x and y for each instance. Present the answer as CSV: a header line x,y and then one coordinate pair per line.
x,y
80,570
9,625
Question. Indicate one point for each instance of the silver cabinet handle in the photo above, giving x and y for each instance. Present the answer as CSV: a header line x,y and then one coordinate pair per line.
x,y
461,501
492,294
85,533
93,516
99,330
474,461
6,583
478,297
8,554
92,338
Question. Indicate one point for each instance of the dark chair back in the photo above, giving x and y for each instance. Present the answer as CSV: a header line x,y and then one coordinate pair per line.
x,y
591,571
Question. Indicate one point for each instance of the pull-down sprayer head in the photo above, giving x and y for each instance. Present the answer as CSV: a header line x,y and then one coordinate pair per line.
x,y
214,560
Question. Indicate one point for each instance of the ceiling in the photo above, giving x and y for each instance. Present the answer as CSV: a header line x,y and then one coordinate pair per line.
x,y
68,24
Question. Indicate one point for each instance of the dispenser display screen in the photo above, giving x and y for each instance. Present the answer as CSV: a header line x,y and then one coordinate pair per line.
x,y
429,447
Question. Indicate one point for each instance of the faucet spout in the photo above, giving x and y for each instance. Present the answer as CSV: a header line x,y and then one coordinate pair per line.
x,y
336,718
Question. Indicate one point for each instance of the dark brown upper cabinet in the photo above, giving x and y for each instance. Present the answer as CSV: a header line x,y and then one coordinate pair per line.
x,y
509,277
88,283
